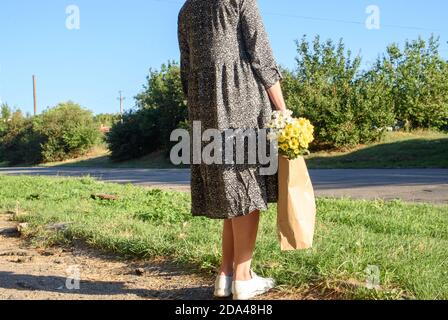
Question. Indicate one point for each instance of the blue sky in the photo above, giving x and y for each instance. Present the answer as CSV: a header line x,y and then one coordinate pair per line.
x,y
118,41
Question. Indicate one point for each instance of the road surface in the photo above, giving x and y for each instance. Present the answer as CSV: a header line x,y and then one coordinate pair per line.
x,y
411,185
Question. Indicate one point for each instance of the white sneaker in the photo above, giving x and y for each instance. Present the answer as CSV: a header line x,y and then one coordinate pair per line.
x,y
245,290
223,287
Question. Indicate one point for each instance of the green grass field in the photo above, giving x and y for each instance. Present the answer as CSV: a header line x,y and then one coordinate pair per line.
x,y
420,149
407,242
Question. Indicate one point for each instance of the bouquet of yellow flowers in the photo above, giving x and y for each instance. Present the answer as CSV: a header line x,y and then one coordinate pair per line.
x,y
293,135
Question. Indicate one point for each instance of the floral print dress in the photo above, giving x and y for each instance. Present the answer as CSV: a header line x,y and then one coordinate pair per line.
x,y
226,66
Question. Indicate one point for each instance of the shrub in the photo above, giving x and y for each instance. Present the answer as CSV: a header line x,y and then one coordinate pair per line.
x,y
135,136
69,131
20,143
161,108
106,119
373,107
418,79
59,133
163,93
328,88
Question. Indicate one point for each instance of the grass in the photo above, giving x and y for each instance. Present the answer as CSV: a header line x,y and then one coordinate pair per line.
x,y
419,149
408,242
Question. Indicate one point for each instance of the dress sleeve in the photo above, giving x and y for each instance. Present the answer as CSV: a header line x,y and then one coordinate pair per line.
x,y
184,56
257,44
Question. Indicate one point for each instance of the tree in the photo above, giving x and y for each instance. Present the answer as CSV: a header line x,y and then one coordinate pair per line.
x,y
418,78
5,112
163,93
106,119
20,143
161,108
69,131
328,88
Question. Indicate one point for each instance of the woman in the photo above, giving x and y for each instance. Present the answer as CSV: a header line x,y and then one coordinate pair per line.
x,y
231,81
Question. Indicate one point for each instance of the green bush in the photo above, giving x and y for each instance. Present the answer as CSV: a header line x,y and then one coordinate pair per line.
x,y
373,108
106,119
163,93
59,133
346,107
161,108
135,136
69,131
418,81
20,143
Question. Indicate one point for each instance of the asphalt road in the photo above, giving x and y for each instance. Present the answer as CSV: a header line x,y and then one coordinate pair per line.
x,y
412,185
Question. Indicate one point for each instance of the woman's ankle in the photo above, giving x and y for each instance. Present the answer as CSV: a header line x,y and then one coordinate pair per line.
x,y
244,275
226,272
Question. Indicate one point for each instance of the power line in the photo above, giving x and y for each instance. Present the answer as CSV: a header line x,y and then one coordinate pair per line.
x,y
169,1
346,21
315,18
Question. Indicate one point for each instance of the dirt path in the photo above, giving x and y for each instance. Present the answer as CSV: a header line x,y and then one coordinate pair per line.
x,y
33,273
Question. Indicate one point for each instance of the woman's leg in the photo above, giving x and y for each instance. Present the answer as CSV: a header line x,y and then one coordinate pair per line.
x,y
245,231
227,249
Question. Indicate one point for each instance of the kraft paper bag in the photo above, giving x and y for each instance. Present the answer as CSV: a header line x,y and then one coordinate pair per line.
x,y
296,211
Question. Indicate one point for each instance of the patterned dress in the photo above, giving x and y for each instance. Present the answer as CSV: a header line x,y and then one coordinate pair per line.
x,y
226,65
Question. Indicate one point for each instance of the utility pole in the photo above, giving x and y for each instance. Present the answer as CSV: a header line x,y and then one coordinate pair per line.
x,y
121,98
34,94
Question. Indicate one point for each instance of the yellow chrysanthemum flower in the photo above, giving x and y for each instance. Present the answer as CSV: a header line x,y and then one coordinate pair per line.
x,y
303,122
294,143
289,132
285,134
295,130
281,139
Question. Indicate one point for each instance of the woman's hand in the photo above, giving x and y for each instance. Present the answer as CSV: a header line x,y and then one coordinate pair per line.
x,y
276,96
